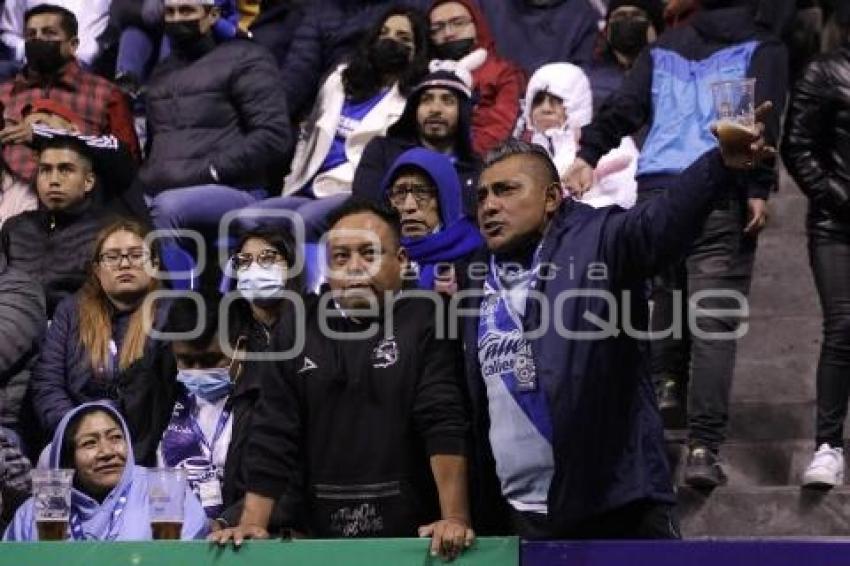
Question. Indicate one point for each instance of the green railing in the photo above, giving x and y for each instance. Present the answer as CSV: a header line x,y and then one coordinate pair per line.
x,y
398,552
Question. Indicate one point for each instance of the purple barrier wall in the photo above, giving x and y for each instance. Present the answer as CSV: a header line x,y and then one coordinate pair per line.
x,y
685,553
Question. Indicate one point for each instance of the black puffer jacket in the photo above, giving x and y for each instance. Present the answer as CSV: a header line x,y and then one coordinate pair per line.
x,y
223,108
54,248
22,322
816,148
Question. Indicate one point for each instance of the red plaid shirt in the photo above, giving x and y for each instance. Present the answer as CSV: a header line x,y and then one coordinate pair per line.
x,y
101,105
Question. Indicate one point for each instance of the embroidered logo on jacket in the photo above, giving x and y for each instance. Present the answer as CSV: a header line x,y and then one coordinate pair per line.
x,y
385,354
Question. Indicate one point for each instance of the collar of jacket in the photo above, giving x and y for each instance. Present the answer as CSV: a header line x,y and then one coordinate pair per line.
x,y
67,79
51,219
203,47
729,25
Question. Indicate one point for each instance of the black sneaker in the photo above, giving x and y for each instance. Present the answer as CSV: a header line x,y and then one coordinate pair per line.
x,y
670,404
703,469
668,395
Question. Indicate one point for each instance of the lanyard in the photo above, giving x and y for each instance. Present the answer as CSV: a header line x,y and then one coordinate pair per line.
x,y
77,527
219,429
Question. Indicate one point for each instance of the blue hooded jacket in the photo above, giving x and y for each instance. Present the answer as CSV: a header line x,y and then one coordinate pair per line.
x,y
459,236
96,518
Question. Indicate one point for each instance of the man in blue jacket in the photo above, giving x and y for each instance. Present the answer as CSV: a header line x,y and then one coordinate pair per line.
x,y
669,90
563,406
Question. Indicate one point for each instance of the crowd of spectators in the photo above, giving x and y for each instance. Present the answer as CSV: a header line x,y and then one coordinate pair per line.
x,y
393,165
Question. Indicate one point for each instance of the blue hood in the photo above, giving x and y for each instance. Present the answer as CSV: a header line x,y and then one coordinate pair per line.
x,y
441,171
55,455
458,236
123,514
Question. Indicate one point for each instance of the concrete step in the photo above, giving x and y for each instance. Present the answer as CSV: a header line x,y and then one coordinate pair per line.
x,y
764,512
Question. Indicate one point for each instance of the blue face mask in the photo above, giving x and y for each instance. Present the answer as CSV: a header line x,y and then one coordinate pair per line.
x,y
210,384
259,283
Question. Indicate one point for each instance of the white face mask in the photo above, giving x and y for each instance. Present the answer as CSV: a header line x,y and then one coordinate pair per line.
x,y
260,283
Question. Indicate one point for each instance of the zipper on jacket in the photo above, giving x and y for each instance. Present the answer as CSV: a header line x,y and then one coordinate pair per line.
x,y
357,491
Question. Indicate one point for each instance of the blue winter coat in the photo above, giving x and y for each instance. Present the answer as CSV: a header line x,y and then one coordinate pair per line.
x,y
608,436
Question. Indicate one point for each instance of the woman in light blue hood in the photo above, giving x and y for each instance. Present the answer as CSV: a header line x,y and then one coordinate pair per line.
x,y
109,499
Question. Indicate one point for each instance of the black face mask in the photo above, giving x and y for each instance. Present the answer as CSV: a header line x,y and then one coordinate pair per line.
x,y
44,57
629,36
455,50
389,56
184,35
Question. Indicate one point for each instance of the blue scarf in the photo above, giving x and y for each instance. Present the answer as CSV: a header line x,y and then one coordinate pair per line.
x,y
450,244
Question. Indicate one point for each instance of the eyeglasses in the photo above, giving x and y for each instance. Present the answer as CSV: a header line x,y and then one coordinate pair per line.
x,y
112,259
264,259
453,24
421,194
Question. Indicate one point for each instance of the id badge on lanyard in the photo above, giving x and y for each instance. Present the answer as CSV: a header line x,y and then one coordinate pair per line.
x,y
209,486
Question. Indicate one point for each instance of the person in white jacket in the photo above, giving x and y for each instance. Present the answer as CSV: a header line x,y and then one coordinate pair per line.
x,y
558,104
359,101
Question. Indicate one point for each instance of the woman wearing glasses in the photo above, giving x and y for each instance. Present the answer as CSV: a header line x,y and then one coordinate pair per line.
x,y
100,330
264,266
423,187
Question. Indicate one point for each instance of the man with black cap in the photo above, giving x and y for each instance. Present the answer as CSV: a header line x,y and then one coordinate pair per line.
x,y
669,87
54,243
438,117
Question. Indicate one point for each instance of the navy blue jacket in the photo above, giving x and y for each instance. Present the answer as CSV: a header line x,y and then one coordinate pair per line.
x,y
63,377
608,435
329,31
565,31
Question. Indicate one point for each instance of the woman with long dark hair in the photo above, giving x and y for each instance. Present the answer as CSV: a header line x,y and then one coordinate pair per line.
x,y
815,150
357,102
100,330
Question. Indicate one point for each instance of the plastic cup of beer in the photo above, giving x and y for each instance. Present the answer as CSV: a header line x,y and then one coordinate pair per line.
x,y
51,492
166,494
734,103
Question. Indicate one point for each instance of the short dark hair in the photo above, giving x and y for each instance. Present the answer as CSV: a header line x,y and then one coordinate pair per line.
x,y
280,239
185,315
519,148
68,21
71,143
355,205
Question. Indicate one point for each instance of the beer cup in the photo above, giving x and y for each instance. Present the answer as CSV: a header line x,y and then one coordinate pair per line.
x,y
166,494
734,103
51,492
